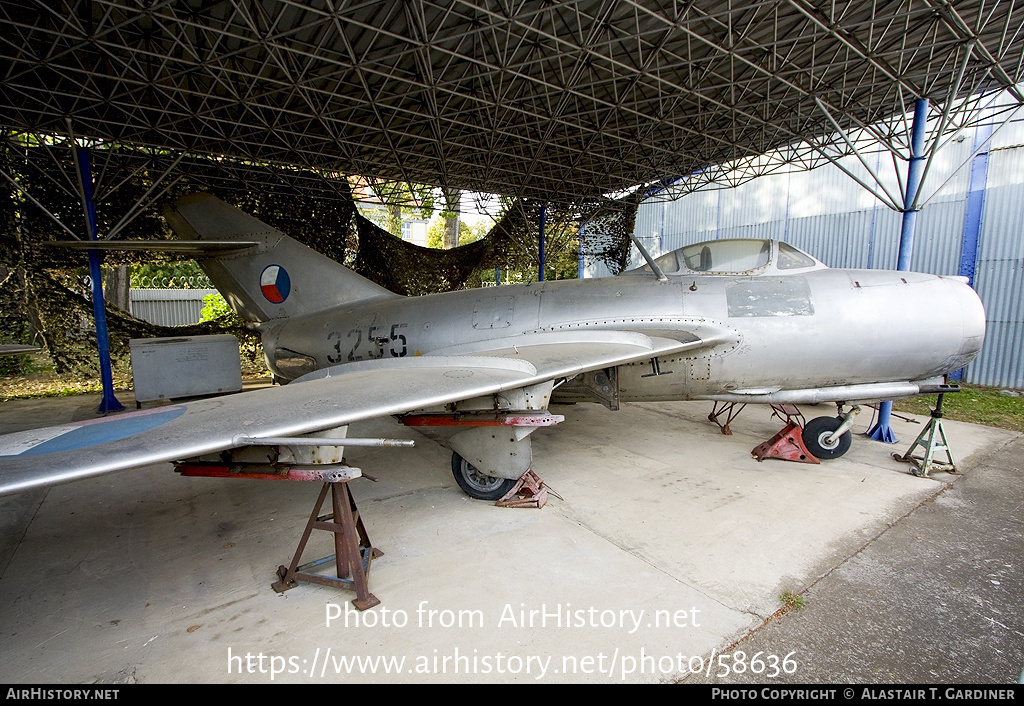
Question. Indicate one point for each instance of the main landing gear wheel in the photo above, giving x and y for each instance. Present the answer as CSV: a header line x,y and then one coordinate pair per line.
x,y
816,435
477,485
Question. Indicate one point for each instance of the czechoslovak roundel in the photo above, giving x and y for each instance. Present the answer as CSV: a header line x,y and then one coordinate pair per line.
x,y
275,284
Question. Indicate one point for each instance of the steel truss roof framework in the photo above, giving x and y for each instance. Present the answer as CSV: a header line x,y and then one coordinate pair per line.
x,y
560,101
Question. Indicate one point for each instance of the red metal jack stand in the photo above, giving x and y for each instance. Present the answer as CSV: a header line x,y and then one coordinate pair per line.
x,y
353,551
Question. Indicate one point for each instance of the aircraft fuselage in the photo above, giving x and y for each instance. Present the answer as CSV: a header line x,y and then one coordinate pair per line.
x,y
810,330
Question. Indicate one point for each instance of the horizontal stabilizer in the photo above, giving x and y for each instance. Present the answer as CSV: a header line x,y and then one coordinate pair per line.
x,y
187,247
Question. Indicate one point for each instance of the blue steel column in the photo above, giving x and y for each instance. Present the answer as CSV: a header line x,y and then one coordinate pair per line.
x,y
973,216
109,403
914,170
975,205
540,237
580,264
881,431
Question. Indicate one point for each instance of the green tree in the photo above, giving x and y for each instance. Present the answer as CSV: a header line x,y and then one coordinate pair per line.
x,y
467,233
214,307
565,263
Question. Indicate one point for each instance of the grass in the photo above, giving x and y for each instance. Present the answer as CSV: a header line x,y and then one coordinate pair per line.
x,y
793,601
34,386
42,381
47,383
974,404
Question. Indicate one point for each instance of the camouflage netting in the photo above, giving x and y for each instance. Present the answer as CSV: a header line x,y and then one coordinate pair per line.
x,y
510,246
607,231
408,269
43,298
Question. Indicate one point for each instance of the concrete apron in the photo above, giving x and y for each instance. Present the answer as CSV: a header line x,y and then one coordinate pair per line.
x,y
671,543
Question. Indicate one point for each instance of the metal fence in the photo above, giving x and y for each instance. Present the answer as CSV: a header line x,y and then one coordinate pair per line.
x,y
168,307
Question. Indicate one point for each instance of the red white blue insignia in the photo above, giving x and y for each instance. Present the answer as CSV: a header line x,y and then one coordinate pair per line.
x,y
275,284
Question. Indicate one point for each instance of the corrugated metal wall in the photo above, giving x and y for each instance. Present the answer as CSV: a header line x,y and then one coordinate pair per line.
x,y
168,307
998,277
829,215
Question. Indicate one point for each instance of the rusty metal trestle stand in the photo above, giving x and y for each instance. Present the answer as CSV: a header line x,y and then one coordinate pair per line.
x,y
731,410
352,547
789,413
932,439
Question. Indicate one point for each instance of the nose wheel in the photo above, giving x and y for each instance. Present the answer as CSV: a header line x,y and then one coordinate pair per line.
x,y
477,485
819,439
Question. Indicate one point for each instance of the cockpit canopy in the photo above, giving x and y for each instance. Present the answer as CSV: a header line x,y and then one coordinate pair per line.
x,y
745,256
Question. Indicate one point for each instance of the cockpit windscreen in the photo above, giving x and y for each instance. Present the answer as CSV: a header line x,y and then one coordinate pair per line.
x,y
727,255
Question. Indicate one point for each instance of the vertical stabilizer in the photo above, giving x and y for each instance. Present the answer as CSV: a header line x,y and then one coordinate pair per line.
x,y
278,277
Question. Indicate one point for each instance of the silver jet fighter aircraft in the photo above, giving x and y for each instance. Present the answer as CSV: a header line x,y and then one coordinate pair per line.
x,y
731,320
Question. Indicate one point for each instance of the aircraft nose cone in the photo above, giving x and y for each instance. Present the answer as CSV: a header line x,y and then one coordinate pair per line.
x,y
973,314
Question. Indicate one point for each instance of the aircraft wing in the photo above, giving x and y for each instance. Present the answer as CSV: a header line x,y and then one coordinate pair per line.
x,y
321,400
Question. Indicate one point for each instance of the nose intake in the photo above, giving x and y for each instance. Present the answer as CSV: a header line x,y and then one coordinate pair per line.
x,y
973,320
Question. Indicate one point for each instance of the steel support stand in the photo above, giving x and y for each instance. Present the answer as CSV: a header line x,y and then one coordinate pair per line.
x,y
789,413
731,410
353,551
881,431
931,440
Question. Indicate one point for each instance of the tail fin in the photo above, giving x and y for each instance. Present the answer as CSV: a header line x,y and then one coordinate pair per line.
x,y
277,277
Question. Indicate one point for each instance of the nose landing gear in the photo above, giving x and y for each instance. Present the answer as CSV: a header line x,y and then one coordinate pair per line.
x,y
822,437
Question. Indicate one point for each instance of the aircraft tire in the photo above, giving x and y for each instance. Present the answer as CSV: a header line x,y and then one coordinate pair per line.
x,y
475,484
818,430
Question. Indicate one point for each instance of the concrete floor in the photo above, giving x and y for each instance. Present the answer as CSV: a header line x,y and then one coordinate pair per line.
x,y
671,544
